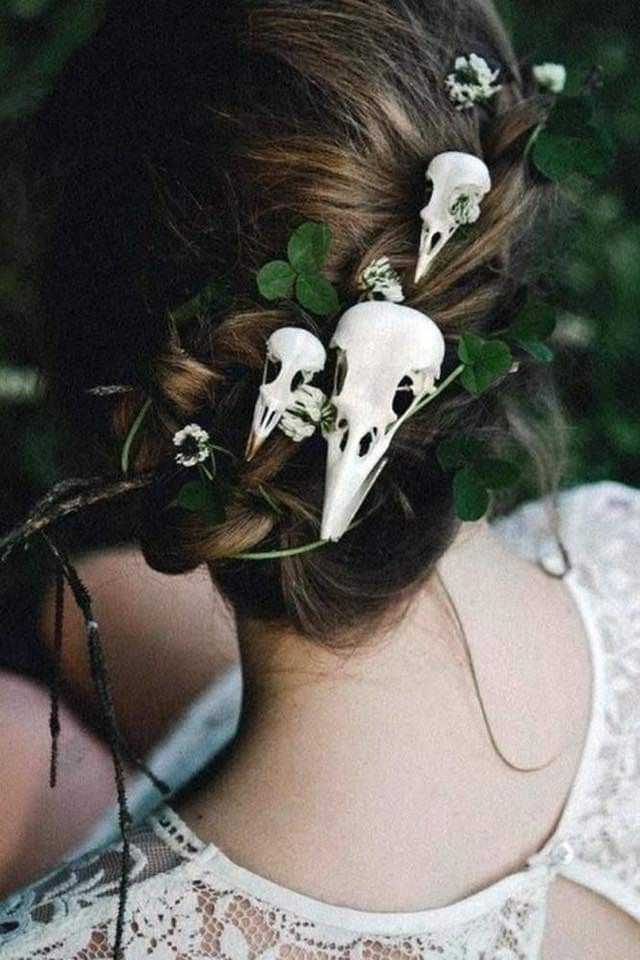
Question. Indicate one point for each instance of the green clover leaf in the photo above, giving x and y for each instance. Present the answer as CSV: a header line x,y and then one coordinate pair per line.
x,y
535,324
307,250
276,280
570,116
204,497
458,450
470,496
539,351
557,156
309,246
316,294
484,361
572,142
476,474
536,321
496,474
214,295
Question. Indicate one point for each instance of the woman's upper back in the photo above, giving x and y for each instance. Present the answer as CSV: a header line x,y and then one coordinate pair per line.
x,y
194,902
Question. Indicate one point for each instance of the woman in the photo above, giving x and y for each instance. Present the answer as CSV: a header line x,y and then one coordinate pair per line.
x,y
437,751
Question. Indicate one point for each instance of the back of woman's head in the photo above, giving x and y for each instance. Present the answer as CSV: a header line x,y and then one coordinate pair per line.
x,y
199,141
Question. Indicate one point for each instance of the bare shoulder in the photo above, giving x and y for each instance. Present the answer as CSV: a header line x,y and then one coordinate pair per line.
x,y
39,825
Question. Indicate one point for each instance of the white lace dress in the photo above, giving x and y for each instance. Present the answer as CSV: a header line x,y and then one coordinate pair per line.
x,y
189,902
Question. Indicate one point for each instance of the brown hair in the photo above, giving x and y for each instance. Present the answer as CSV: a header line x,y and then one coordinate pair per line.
x,y
283,111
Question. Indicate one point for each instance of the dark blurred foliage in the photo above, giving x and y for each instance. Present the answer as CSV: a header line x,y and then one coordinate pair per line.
x,y
595,265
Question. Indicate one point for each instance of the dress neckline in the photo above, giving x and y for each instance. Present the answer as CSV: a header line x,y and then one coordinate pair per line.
x,y
536,874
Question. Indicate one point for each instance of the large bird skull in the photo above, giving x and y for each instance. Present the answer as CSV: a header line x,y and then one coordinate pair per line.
x,y
294,356
459,181
388,358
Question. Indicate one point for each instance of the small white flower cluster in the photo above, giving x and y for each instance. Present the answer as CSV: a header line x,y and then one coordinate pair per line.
x,y
465,208
380,277
302,418
472,81
193,445
551,76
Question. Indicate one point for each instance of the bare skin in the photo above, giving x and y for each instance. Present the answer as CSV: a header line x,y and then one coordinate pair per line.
x,y
64,815
370,782
166,639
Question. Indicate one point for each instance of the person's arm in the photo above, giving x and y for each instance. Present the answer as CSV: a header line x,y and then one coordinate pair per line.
x,y
165,639
40,825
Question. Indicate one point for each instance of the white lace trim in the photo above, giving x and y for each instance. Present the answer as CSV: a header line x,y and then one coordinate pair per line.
x,y
188,901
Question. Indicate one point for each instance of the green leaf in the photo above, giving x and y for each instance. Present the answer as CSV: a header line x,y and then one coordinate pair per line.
x,y
216,294
470,347
496,474
458,450
470,496
276,280
309,246
484,361
316,294
538,350
537,321
202,496
557,155
570,116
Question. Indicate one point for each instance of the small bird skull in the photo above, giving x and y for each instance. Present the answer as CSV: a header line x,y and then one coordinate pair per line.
x,y
459,182
388,357
294,356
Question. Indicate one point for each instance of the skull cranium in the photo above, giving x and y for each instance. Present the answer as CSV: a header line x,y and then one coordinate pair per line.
x,y
293,358
388,358
459,182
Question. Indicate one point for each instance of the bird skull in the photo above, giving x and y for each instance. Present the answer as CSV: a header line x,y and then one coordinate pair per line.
x,y
293,358
459,182
388,357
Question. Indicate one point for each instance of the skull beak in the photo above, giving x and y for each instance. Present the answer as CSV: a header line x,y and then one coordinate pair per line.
x,y
424,257
266,418
349,481
253,445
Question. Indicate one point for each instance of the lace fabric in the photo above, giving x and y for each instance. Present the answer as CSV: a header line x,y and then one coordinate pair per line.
x,y
189,902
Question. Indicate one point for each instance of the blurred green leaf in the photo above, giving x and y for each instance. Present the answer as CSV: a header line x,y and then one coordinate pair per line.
x,y
204,497
470,497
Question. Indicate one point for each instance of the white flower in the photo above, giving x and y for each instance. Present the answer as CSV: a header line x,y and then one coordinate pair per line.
x,y
472,81
193,444
300,420
551,76
380,277
465,208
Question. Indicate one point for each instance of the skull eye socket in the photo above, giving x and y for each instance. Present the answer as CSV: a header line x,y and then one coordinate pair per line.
x,y
404,396
272,369
268,417
428,192
297,381
340,374
366,442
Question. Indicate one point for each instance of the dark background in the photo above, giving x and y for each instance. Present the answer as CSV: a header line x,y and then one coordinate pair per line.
x,y
596,274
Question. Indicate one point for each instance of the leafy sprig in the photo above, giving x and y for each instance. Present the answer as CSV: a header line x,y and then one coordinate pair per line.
x,y
476,474
483,360
571,141
300,275
211,492
531,329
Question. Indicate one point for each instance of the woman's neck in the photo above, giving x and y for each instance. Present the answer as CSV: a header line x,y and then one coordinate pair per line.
x,y
333,745
398,660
